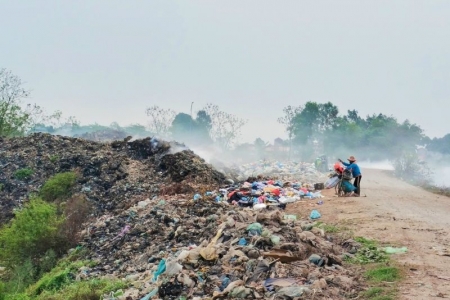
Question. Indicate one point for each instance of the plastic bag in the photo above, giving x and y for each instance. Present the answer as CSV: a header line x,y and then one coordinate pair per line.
x,y
259,206
392,250
315,215
172,268
293,291
275,239
332,182
160,270
242,242
290,217
150,295
255,227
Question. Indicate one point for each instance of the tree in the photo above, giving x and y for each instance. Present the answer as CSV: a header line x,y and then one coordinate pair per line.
x,y
30,234
14,120
260,147
193,132
225,127
182,127
160,120
313,120
288,119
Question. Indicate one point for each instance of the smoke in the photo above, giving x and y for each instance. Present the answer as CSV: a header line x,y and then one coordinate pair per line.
x,y
441,176
378,165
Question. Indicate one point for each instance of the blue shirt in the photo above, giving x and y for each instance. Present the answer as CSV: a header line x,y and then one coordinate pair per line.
x,y
355,168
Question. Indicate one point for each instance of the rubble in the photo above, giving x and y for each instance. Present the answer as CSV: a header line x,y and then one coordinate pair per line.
x,y
177,247
111,175
105,135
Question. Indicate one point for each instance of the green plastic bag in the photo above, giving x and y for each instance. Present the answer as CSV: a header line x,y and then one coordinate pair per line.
x,y
392,250
255,227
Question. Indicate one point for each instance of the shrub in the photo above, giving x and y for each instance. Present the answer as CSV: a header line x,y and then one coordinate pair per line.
x,y
30,234
408,167
76,212
23,174
58,186
83,290
20,277
58,277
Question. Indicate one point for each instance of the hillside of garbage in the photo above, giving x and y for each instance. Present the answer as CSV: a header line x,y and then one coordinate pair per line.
x,y
111,175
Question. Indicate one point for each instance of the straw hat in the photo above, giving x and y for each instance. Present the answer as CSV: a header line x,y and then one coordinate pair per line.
x,y
351,159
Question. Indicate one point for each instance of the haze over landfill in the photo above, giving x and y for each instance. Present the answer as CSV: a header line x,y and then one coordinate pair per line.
x,y
105,61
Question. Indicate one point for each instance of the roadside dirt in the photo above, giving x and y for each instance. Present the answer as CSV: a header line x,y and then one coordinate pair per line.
x,y
397,214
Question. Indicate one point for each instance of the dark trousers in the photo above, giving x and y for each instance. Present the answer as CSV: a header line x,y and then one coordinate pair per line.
x,y
357,184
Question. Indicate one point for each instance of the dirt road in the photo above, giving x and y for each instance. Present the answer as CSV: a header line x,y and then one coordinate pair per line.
x,y
398,214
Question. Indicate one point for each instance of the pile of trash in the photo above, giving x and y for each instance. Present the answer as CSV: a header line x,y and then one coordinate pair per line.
x,y
105,135
260,194
110,175
302,171
177,248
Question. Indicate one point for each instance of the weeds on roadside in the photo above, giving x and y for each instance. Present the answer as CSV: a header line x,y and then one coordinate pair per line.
x,y
327,227
383,274
368,253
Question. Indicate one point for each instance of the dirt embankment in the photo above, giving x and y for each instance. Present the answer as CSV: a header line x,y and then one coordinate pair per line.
x,y
398,214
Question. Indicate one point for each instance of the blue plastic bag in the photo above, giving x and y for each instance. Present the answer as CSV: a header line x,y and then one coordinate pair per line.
x,y
161,269
315,215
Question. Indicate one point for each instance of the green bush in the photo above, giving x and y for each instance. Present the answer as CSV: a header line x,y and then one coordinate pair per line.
x,y
23,174
32,232
83,290
58,186
58,277
16,296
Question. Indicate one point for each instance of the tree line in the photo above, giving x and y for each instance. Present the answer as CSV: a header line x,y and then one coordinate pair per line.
x,y
311,128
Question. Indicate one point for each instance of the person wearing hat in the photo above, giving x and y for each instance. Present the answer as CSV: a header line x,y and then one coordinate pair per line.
x,y
356,173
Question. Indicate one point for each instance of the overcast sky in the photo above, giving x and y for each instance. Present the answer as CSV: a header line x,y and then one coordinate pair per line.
x,y
105,61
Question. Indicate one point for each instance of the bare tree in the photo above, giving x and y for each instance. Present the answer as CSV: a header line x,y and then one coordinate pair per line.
x,y
160,120
14,120
226,128
288,119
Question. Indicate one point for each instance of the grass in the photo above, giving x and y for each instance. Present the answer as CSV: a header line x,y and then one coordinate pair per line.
x,y
444,191
60,283
373,292
383,274
382,279
380,274
23,174
368,253
327,228
92,289
54,158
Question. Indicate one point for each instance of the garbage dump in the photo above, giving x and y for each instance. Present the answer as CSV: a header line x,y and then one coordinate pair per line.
x,y
111,175
173,227
301,171
259,194
178,248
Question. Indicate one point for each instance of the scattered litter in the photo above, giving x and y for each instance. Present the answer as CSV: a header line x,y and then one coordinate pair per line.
x,y
392,250
315,215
